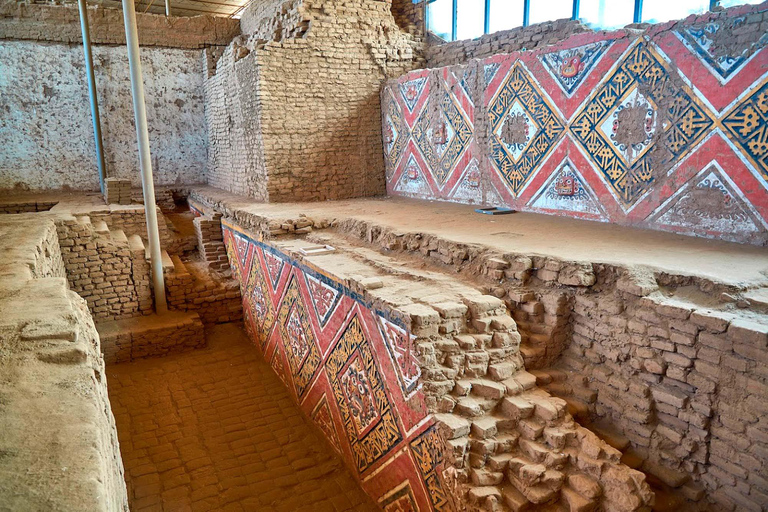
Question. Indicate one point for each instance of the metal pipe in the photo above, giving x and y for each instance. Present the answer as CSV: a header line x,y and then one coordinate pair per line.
x,y
167,8
83,8
145,162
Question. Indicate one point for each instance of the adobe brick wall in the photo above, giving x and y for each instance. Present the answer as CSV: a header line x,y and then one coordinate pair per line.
x,y
409,16
293,118
61,24
504,41
99,269
47,121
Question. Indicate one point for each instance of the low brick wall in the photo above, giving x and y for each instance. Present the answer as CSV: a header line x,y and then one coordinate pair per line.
x,y
504,41
150,336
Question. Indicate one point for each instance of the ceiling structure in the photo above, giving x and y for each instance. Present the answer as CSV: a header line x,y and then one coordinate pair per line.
x,y
225,8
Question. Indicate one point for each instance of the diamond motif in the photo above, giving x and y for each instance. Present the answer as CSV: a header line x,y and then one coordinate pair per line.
x,y
369,419
395,131
301,349
275,265
520,96
399,499
517,130
442,139
569,67
428,450
259,303
321,415
631,175
747,125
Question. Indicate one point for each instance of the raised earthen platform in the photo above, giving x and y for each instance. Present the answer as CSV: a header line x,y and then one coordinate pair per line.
x,y
524,233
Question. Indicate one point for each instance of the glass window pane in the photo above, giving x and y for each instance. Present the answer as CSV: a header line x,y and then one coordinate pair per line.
x,y
440,18
470,18
659,11
731,3
607,14
506,14
550,10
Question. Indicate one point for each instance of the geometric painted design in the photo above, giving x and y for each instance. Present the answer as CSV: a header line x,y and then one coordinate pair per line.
x,y
489,71
524,128
428,451
402,351
412,180
298,340
260,304
444,137
325,298
278,366
411,91
469,187
566,190
369,419
699,41
275,266
747,126
321,415
617,142
399,499
569,67
710,202
395,132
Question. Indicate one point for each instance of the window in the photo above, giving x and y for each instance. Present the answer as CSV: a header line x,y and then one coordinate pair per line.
x,y
731,3
550,10
440,18
470,19
505,14
659,11
606,14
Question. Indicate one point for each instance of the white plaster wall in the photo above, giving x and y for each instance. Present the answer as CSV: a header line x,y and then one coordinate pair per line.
x,y
46,136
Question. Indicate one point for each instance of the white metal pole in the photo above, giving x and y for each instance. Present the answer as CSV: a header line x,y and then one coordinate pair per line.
x,y
145,162
167,8
92,95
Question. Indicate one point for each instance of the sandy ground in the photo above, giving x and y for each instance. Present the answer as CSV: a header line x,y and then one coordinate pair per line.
x,y
546,235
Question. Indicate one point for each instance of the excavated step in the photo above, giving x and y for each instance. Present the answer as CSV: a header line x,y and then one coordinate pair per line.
x,y
118,235
101,227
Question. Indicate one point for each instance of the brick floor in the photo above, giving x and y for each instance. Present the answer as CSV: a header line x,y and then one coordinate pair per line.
x,y
214,429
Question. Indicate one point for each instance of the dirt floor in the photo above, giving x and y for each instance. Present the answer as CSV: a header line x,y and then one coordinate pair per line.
x,y
215,429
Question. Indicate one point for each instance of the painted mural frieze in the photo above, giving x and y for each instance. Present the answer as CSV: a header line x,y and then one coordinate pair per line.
x,y
637,117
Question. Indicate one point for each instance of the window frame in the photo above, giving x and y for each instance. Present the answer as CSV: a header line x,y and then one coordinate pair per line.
x,y
636,18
